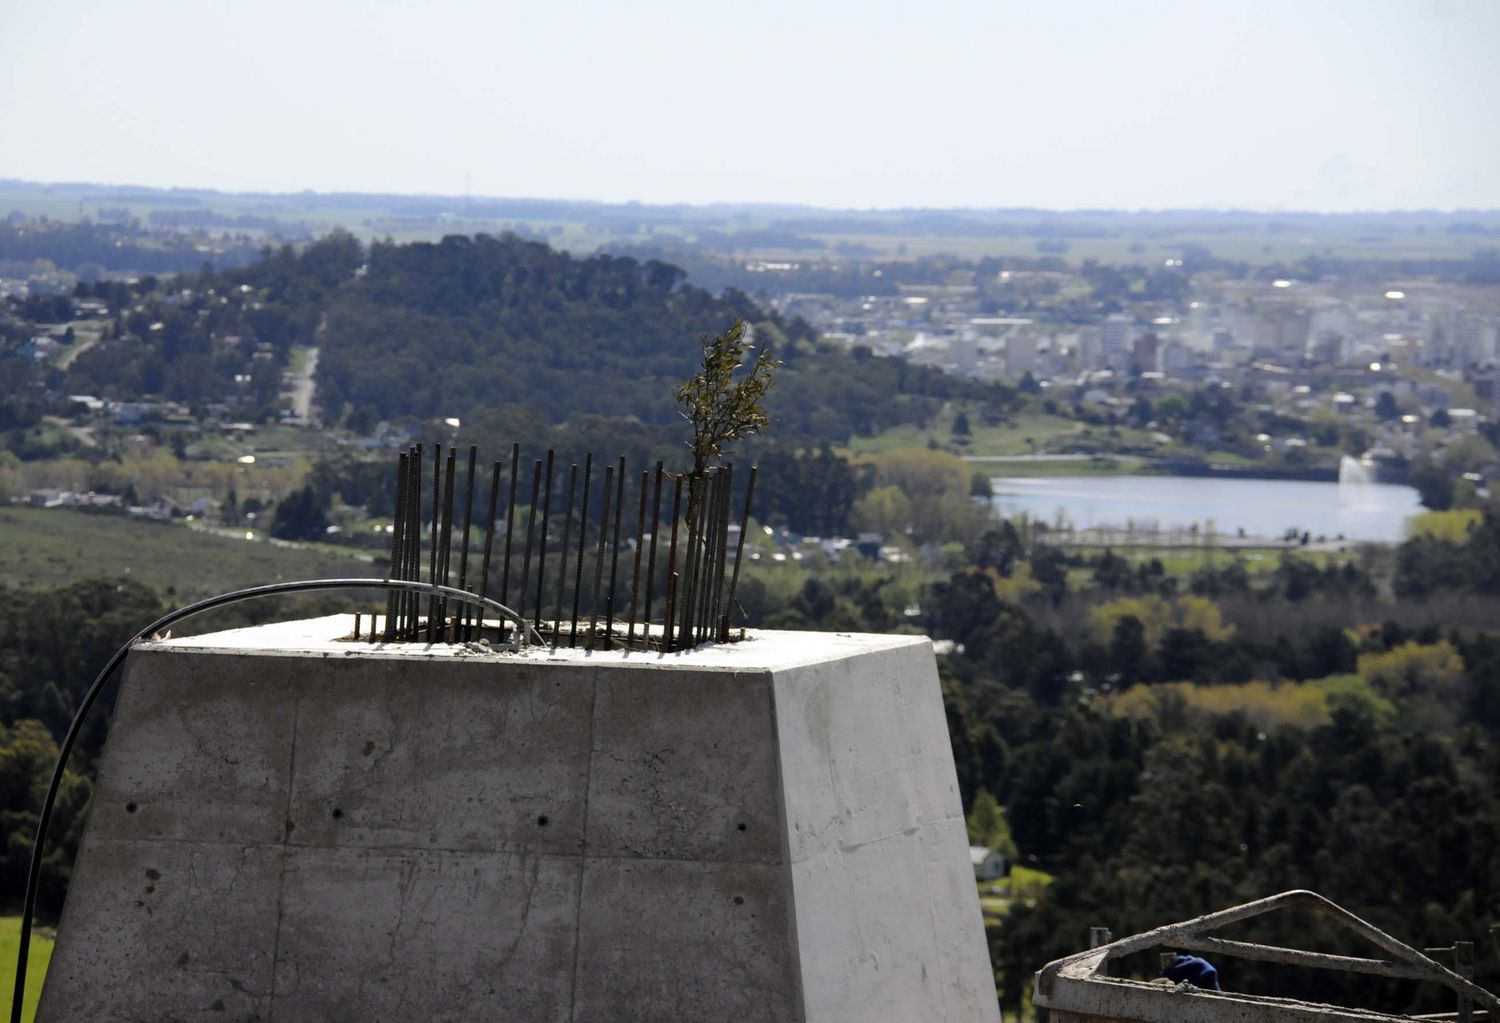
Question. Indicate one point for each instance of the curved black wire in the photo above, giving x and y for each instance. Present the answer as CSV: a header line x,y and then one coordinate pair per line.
x,y
165,621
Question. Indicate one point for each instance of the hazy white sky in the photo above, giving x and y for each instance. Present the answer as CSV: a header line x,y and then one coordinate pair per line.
x,y
1306,104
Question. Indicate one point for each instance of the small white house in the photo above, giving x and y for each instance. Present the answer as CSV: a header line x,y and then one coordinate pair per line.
x,y
988,864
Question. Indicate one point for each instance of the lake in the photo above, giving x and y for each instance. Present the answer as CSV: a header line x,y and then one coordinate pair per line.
x,y
1262,508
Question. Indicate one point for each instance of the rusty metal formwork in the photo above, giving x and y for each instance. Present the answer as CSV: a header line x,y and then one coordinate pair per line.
x,y
609,572
1078,989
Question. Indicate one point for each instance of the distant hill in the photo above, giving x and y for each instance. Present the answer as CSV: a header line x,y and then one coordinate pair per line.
x,y
448,328
501,332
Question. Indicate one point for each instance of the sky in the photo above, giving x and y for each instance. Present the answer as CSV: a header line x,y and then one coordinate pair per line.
x,y
1060,104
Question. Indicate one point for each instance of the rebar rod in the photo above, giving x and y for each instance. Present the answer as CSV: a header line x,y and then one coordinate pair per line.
x,y
541,559
510,519
562,571
614,554
536,485
432,561
583,521
716,566
489,537
704,570
651,557
721,553
609,476
739,551
669,619
445,557
461,631
398,551
635,574
689,559
414,542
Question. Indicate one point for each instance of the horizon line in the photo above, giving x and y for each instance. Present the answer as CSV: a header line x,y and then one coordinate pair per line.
x,y
761,204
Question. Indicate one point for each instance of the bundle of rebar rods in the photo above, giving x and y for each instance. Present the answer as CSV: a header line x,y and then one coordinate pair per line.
x,y
677,589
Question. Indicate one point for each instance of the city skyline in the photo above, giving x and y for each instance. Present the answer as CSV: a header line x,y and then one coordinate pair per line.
x,y
1339,107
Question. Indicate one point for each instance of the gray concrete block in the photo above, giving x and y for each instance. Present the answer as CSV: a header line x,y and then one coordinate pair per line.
x,y
684,767
667,941
767,830
199,747
158,930
887,918
433,936
864,749
498,760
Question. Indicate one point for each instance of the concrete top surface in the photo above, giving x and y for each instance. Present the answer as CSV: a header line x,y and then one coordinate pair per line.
x,y
332,636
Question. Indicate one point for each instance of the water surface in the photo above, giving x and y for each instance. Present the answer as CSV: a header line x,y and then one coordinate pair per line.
x,y
1261,508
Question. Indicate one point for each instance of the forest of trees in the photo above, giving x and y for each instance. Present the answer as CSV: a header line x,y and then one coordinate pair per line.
x,y
500,331
1168,744
1160,741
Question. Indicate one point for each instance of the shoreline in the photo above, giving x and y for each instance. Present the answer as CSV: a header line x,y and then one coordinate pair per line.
x,y
1140,465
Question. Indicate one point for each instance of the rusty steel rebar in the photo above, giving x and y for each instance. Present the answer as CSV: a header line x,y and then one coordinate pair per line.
x,y
635,574
432,562
609,477
413,601
510,520
461,629
739,551
614,554
489,537
700,584
651,557
721,550
446,554
583,521
541,559
536,485
398,552
689,559
669,619
562,571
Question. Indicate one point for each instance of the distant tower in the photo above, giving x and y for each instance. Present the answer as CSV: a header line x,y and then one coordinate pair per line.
x,y
1114,339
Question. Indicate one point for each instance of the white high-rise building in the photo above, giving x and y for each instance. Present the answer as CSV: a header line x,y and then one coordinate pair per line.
x,y
1114,338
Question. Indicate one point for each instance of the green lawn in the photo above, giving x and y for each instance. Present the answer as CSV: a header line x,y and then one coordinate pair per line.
x,y
1183,561
1023,434
47,548
1105,465
41,955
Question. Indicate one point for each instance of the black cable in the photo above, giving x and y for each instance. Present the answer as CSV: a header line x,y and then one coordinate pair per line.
x,y
33,876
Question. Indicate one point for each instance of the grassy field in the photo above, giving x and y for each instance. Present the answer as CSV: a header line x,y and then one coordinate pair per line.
x,y
1106,465
1026,435
46,548
1184,561
997,897
41,955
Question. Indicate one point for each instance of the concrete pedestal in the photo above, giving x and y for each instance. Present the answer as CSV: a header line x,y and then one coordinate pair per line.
x,y
290,827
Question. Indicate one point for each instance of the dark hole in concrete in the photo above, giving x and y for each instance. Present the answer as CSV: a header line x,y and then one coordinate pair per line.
x,y
337,813
739,900
182,960
543,821
742,825
130,808
153,874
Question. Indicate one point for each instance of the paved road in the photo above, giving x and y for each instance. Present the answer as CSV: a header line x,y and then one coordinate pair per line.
x,y
304,390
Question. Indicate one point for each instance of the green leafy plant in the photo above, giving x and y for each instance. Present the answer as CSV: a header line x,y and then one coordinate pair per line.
x,y
720,402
